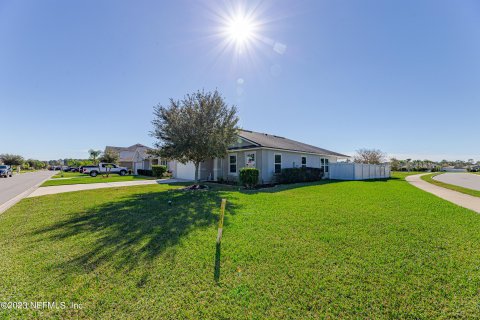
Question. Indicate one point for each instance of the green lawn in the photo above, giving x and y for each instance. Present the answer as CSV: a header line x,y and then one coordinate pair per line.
x,y
80,178
403,174
339,250
68,175
429,178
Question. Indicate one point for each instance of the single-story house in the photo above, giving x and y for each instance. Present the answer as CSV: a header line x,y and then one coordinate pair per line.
x,y
266,152
136,157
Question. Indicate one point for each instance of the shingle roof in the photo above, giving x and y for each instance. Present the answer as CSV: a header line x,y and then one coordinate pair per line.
x,y
127,153
271,141
131,148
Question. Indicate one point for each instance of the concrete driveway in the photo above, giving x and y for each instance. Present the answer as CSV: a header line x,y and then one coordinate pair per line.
x,y
19,186
466,180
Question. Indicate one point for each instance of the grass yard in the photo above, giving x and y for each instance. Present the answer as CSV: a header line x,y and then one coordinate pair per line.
x,y
378,249
429,178
80,178
68,175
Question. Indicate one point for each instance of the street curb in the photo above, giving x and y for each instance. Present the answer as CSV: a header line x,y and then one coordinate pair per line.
x,y
10,203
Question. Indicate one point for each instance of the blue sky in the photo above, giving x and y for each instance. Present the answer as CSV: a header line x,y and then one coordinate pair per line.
x,y
400,76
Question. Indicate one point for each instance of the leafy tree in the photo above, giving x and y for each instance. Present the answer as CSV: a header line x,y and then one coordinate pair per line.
x,y
201,126
94,155
34,164
11,159
370,156
109,157
395,164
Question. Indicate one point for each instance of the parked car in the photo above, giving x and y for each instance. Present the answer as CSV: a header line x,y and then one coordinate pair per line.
x,y
93,171
73,169
6,171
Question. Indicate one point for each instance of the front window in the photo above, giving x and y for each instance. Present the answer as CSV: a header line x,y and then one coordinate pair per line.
x,y
250,160
3,167
304,162
233,163
278,163
324,164
163,162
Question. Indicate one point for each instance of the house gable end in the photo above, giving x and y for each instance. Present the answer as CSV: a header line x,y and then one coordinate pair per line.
x,y
242,143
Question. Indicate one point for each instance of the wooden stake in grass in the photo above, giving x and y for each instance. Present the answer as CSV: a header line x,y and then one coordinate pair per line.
x,y
220,222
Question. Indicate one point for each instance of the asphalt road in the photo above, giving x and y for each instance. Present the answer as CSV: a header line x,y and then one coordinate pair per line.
x,y
12,187
466,180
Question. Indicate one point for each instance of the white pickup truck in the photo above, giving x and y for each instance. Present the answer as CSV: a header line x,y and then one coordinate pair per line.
x,y
93,171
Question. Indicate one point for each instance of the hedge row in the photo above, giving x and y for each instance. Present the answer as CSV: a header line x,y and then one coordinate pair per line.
x,y
157,171
293,175
143,172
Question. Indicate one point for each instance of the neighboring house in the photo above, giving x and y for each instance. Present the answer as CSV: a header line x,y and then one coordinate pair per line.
x,y
268,153
135,157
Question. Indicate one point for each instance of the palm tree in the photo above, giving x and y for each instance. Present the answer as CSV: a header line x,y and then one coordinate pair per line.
x,y
94,155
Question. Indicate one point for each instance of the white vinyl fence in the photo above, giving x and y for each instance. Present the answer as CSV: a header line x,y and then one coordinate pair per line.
x,y
358,171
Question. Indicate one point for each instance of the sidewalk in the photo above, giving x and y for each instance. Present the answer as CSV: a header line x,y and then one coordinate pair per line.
x,y
458,198
80,187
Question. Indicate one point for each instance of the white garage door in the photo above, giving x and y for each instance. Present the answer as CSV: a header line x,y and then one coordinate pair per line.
x,y
138,165
185,171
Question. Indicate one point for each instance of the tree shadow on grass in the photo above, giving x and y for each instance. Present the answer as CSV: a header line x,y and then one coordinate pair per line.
x,y
137,228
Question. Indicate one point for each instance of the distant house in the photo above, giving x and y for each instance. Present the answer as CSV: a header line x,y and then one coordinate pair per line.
x,y
266,152
135,157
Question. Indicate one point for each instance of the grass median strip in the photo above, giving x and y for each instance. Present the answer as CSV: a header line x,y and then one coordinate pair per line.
x,y
429,178
86,179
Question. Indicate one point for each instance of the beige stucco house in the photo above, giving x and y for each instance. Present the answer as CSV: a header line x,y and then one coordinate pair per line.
x,y
135,157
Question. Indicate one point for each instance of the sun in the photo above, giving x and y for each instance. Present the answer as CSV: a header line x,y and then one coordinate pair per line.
x,y
241,33
240,30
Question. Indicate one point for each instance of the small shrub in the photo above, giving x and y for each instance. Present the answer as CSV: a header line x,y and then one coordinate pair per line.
x,y
159,171
249,177
293,175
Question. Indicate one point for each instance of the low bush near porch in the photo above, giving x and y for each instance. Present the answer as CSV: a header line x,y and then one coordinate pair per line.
x,y
249,177
158,171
